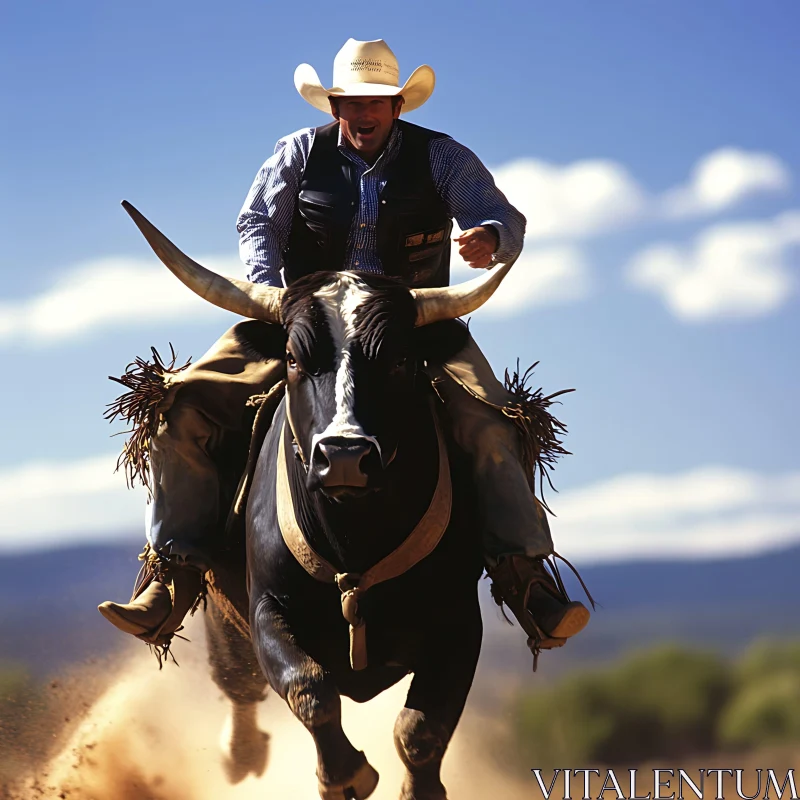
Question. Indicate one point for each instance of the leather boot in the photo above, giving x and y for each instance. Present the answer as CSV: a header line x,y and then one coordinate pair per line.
x,y
158,606
540,605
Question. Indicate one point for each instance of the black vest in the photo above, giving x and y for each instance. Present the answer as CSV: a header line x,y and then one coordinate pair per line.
x,y
413,228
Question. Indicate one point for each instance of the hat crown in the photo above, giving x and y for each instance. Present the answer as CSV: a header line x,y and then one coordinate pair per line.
x,y
366,62
365,69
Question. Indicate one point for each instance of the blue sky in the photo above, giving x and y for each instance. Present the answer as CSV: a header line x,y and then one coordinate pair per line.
x,y
653,147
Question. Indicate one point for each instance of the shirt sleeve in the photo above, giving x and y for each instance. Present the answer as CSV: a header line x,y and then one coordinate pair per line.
x,y
265,220
472,198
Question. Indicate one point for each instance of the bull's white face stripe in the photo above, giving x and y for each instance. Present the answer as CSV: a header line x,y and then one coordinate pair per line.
x,y
340,300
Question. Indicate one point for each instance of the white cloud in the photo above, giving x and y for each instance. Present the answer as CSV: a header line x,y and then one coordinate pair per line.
x,y
544,276
574,200
560,203
102,294
723,178
595,196
706,511
735,270
703,512
52,503
118,292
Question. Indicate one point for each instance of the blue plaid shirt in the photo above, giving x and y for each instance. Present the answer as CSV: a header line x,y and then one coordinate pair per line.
x,y
463,182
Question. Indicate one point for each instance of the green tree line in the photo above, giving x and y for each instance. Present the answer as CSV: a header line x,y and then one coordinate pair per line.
x,y
667,702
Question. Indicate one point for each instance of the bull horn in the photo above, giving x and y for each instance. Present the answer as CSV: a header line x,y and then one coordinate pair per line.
x,y
240,297
450,302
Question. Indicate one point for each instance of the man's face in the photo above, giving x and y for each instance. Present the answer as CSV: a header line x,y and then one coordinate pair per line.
x,y
366,122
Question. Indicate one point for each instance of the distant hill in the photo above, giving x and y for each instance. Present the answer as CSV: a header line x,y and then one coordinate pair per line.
x,y
48,600
48,603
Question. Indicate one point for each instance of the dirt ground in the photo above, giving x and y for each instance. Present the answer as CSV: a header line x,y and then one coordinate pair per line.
x,y
147,734
153,735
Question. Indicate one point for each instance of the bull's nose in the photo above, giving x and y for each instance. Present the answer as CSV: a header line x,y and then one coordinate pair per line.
x,y
341,461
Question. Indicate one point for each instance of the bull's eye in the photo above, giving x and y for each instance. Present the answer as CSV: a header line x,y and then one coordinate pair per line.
x,y
401,362
291,362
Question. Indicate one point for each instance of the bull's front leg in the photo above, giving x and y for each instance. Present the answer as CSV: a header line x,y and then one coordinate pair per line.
x,y
434,704
343,772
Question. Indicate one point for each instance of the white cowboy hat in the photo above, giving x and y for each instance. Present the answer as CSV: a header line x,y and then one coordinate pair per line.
x,y
365,69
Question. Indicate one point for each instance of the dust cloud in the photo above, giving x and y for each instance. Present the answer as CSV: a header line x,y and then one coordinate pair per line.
x,y
153,736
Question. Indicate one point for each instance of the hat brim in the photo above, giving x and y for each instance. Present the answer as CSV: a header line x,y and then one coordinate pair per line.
x,y
416,90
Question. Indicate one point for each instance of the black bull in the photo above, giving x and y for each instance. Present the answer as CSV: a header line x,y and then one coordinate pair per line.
x,y
361,453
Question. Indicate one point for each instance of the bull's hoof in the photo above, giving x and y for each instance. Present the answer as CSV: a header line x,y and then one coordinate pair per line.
x,y
244,755
422,789
359,787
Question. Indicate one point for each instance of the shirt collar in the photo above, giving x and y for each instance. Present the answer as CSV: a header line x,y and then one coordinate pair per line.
x,y
389,151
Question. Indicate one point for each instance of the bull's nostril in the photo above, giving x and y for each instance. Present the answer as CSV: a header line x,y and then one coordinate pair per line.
x,y
341,461
370,463
321,458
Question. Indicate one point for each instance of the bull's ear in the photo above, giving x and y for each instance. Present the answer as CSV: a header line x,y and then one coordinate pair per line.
x,y
439,341
266,341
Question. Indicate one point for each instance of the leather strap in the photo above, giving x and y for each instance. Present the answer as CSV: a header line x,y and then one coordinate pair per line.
x,y
313,563
417,545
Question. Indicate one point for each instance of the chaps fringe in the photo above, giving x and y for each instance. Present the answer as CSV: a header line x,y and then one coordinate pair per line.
x,y
146,382
540,432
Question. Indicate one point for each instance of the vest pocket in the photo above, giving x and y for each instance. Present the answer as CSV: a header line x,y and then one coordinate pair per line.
x,y
322,213
420,248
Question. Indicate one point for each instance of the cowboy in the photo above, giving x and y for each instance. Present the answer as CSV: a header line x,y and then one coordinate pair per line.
x,y
368,192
